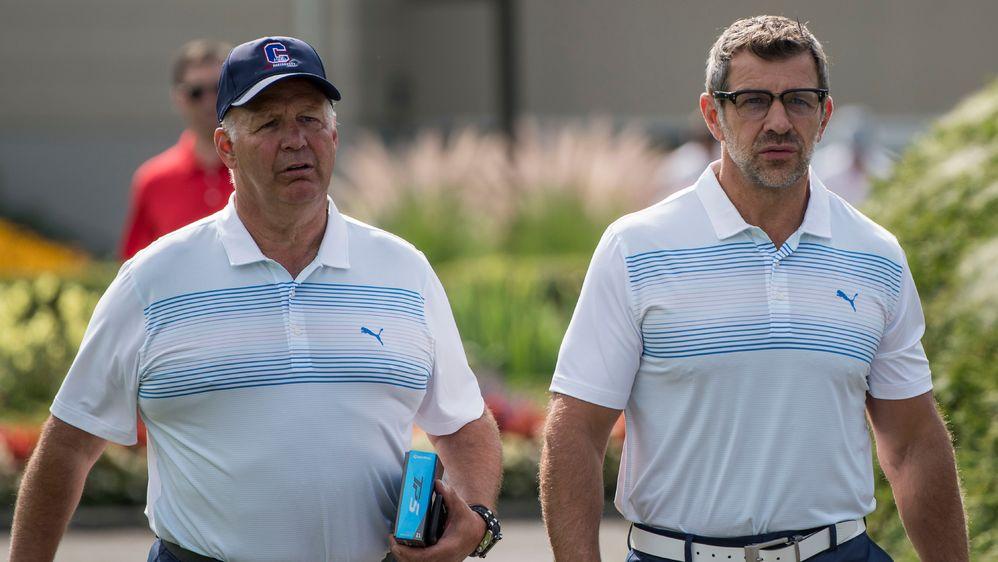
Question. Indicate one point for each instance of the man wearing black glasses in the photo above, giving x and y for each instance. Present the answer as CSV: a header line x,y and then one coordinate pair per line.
x,y
187,181
746,326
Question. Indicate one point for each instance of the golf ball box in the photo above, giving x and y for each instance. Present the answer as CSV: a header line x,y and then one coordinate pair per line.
x,y
420,517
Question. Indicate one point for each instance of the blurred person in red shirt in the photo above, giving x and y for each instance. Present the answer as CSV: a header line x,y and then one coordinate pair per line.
x,y
187,181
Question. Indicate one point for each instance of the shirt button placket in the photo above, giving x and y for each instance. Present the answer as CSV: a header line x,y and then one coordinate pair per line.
x,y
296,323
780,300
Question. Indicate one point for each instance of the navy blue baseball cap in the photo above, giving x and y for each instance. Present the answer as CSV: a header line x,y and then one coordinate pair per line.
x,y
253,66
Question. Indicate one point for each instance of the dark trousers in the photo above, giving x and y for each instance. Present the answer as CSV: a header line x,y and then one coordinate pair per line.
x,y
159,553
859,549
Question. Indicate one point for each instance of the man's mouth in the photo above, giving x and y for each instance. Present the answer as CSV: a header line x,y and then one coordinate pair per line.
x,y
778,151
297,167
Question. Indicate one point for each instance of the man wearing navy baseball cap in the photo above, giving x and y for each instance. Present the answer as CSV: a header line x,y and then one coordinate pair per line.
x,y
279,354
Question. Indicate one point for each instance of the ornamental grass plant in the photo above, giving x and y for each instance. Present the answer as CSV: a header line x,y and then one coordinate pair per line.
x,y
468,194
941,201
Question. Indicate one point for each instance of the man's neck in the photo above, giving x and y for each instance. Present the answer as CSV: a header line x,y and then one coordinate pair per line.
x,y
290,238
204,151
778,212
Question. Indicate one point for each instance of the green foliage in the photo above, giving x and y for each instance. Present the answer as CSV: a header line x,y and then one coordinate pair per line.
x,y
439,227
547,223
942,203
556,223
42,321
513,312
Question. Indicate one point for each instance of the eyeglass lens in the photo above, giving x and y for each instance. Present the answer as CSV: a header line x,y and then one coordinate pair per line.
x,y
755,105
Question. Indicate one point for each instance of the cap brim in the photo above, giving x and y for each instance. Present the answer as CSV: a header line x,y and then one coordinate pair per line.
x,y
323,84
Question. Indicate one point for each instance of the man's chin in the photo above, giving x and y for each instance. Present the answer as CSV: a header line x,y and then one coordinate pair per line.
x,y
778,174
302,192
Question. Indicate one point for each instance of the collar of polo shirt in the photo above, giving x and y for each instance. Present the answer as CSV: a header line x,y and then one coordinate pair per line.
x,y
727,221
242,249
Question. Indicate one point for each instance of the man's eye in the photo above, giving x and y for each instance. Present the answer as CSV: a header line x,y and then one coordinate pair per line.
x,y
268,125
754,100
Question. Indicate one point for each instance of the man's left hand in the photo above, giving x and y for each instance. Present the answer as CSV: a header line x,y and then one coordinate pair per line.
x,y
462,534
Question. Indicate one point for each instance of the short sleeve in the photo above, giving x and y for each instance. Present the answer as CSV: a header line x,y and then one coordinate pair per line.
x,y
453,397
100,393
602,348
900,369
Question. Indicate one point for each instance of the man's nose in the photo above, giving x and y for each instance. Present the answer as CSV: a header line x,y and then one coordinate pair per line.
x,y
777,119
293,136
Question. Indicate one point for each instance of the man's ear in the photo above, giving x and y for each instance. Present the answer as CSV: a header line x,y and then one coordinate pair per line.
x,y
829,107
709,111
223,146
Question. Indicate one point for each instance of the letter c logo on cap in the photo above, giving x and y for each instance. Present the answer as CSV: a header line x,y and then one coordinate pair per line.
x,y
276,53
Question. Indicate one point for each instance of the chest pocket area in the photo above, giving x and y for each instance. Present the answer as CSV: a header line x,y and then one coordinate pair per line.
x,y
365,334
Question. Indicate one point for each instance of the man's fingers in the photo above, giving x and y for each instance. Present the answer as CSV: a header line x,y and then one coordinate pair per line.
x,y
451,498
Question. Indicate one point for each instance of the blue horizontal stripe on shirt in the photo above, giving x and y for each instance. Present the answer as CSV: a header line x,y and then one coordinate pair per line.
x,y
875,257
672,267
791,327
640,282
279,371
850,268
277,300
169,377
309,380
764,347
271,374
687,251
865,264
751,335
282,289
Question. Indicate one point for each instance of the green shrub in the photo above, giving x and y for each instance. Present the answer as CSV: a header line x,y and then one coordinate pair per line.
x,y
513,312
942,202
42,321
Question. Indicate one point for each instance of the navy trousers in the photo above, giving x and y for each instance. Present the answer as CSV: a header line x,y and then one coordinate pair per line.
x,y
859,549
159,553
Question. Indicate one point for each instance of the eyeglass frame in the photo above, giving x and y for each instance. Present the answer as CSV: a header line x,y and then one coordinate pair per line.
x,y
732,96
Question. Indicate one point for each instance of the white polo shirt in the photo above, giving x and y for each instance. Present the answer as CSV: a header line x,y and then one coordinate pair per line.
x,y
278,410
743,369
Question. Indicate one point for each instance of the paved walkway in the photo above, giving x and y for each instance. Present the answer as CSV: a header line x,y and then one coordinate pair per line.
x,y
525,542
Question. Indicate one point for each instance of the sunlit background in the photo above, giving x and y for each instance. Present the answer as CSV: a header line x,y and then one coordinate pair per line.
x,y
501,137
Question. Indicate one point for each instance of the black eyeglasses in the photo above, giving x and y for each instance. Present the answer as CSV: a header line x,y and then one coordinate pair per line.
x,y
755,104
197,91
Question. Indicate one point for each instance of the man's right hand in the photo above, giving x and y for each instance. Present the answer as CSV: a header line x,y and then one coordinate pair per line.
x,y
575,439
462,534
51,489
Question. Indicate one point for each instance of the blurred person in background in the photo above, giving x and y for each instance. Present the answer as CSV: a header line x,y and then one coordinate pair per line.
x,y
746,326
854,158
187,181
684,164
280,354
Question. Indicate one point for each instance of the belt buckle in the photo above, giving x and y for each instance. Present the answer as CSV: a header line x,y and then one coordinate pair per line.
x,y
752,550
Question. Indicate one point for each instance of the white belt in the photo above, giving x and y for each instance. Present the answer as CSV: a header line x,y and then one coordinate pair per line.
x,y
796,549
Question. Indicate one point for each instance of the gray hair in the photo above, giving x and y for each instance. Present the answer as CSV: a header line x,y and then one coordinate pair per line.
x,y
767,37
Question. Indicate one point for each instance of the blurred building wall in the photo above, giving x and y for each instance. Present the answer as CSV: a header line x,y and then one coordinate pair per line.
x,y
84,97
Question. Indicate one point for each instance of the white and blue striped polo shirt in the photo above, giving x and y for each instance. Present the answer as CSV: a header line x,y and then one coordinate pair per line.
x,y
743,369
278,409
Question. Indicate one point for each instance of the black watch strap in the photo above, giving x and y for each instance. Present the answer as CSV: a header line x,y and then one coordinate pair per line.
x,y
493,531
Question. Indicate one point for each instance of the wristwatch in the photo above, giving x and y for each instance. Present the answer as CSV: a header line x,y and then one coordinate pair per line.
x,y
493,532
